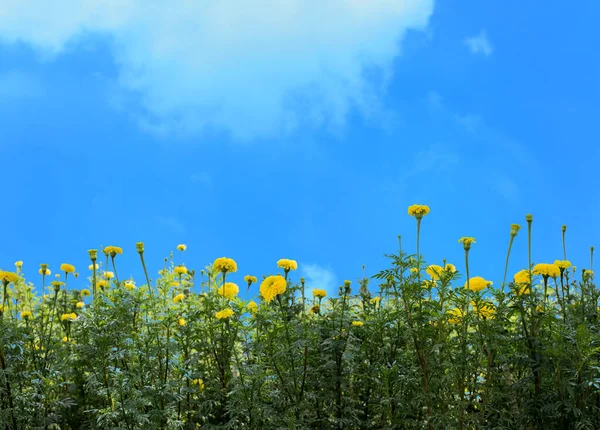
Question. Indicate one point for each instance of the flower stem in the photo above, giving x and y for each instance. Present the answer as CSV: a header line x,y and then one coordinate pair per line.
x,y
512,238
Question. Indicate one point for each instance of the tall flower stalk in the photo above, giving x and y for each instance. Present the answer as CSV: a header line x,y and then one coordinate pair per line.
x,y
418,211
514,229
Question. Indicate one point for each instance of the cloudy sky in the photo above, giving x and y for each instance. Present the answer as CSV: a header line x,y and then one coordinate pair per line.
x,y
297,129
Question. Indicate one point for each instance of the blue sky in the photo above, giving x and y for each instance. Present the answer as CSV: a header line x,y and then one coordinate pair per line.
x,y
297,130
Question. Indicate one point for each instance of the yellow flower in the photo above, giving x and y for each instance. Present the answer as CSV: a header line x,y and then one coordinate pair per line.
x,y
319,293
85,293
314,309
179,298
272,286
181,322
522,277
94,265
252,306
434,271
428,284
181,247
450,268
174,284
563,264
357,323
102,283
224,314
376,300
225,265
108,275
44,270
57,285
514,229
466,241
418,211
181,270
67,268
19,264
455,316
414,270
484,310
8,277
129,285
68,317
26,315
250,279
229,290
551,270
112,250
80,305
477,283
65,339
287,265
199,383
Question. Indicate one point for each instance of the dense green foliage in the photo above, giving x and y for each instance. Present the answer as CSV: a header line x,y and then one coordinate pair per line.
x,y
433,356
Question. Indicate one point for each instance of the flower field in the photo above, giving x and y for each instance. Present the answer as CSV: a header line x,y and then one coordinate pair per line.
x,y
417,346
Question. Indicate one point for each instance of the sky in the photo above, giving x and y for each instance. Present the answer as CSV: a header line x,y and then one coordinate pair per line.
x,y
297,129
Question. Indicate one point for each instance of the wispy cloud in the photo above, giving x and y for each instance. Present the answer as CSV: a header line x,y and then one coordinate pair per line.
x,y
251,69
319,277
479,44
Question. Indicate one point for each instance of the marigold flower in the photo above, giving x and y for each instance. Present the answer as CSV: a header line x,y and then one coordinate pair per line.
x,y
80,305
484,310
93,254
563,264
181,322
434,271
319,293
455,316
287,265
418,211
357,323
376,300
181,270
68,317
102,283
224,314
477,283
315,309
272,286
8,277
19,264
57,285
225,265
65,339
108,275
139,246
174,284
428,284
252,306
94,266
466,241
113,250
47,273
129,285
450,268
544,269
178,298
514,229
67,268
199,383
26,315
85,293
229,290
181,247
414,270
250,279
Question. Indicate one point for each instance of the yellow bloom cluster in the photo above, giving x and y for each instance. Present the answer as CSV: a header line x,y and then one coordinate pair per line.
x,y
178,298
79,305
224,314
112,250
418,210
252,306
68,317
229,290
181,247
523,278
484,310
544,269
466,241
414,270
319,293
272,286
376,300
45,271
67,268
563,264
130,285
181,322
19,264
8,277
26,315
108,275
102,283
450,268
250,279
93,266
428,284
357,323
434,271
85,293
477,283
199,383
225,265
287,265
181,270
455,316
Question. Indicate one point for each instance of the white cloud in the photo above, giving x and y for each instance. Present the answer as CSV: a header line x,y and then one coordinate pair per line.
x,y
319,277
479,44
254,69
